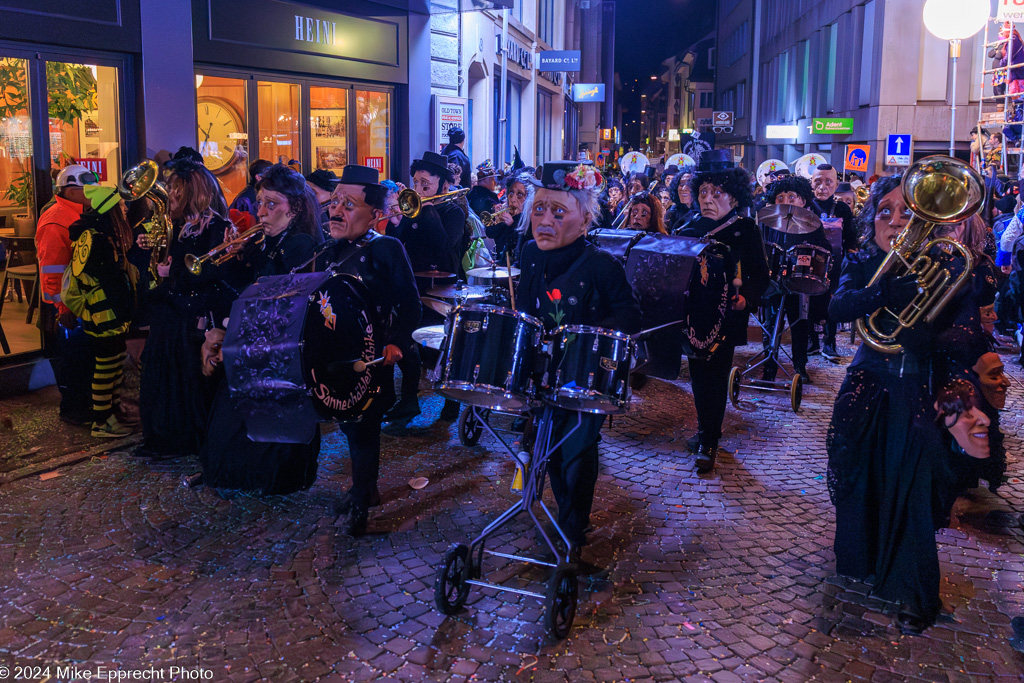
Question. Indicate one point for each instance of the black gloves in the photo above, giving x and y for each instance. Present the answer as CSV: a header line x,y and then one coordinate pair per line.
x,y
898,291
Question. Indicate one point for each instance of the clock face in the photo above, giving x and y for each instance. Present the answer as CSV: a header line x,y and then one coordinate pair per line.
x,y
219,129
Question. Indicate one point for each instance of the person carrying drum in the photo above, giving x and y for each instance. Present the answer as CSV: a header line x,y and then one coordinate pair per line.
x,y
801,309
566,281
723,191
383,266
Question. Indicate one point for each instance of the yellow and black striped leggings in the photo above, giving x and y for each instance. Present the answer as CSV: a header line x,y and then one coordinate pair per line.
x,y
110,355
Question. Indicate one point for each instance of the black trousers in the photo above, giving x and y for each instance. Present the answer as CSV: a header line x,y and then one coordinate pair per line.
x,y
799,331
709,382
572,469
411,366
364,439
71,357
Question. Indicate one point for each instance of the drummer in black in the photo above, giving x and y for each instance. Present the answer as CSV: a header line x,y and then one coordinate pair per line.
x,y
802,310
723,191
383,266
566,281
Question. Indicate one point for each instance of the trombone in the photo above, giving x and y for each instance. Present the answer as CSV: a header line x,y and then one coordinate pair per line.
x,y
223,251
492,217
410,204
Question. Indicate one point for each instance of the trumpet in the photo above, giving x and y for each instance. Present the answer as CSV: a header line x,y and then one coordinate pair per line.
x,y
493,217
410,204
222,252
939,190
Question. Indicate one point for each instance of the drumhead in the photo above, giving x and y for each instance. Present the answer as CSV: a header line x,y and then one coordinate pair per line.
x,y
498,310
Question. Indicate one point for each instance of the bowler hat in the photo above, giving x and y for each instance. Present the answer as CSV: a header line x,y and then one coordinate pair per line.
x,y
322,178
359,175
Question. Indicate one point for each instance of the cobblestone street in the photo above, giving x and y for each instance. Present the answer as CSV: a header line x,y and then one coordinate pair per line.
x,y
723,577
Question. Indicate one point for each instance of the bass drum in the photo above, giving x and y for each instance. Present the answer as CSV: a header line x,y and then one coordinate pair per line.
x,y
673,278
289,354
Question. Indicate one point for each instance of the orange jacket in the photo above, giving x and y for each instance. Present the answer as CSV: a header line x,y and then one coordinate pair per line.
x,y
53,247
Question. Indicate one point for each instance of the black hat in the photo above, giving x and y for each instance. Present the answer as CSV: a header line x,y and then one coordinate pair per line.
x,y
456,135
324,179
844,187
671,170
715,160
358,175
189,153
434,164
552,175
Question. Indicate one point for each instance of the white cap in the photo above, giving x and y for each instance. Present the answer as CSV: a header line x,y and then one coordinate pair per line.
x,y
76,175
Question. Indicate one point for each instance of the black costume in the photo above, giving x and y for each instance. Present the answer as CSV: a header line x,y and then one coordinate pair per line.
x,y
230,460
383,266
836,214
172,401
889,476
817,306
709,379
506,239
432,238
593,291
482,199
456,155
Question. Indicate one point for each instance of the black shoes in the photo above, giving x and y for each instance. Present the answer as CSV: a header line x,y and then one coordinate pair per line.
x,y
405,409
1017,641
693,442
802,371
814,348
911,623
706,454
830,352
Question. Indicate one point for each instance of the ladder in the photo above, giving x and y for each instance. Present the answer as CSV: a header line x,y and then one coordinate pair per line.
x,y
994,110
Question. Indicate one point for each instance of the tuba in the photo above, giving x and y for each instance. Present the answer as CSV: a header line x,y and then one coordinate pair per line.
x,y
141,181
938,190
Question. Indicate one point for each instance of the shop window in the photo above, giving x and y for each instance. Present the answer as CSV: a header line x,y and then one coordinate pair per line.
x,y
222,132
373,131
328,118
17,216
278,108
84,118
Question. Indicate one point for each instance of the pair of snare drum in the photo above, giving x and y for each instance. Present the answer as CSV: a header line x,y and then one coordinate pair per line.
x,y
802,269
492,358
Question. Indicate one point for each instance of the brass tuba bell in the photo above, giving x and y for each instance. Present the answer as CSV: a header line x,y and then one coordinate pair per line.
x,y
142,181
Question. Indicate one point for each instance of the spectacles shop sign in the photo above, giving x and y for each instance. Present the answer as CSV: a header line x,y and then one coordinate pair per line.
x,y
1011,10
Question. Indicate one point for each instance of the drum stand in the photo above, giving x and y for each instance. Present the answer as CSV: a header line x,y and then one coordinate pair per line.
x,y
793,385
463,565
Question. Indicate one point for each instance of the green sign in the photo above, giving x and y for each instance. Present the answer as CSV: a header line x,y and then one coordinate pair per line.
x,y
831,126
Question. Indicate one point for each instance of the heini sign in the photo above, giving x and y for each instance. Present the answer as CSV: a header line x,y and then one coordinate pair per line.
x,y
1011,10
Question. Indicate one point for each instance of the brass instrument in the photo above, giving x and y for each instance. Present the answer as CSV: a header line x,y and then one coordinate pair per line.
x,y
222,252
938,190
410,203
862,193
142,181
493,217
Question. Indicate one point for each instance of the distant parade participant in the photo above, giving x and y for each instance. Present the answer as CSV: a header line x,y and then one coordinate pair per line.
x,y
505,231
722,190
684,207
566,281
483,195
383,266
836,216
645,214
455,150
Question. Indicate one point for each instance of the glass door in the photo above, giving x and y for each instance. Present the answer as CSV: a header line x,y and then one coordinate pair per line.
x,y
328,121
223,130
279,119
373,130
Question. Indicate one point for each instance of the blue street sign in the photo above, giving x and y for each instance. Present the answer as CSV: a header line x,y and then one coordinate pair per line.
x,y
897,150
559,60
588,92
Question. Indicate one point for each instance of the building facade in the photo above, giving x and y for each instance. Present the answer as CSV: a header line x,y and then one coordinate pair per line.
x,y
681,99
870,63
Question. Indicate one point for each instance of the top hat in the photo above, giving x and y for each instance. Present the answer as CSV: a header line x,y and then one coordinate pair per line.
x,y
433,163
322,178
716,160
358,175
567,175
671,170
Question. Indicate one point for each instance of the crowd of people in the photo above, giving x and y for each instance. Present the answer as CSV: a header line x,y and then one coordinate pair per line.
x,y
911,430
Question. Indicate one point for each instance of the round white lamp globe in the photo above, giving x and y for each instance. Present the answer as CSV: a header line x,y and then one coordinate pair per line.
x,y
955,19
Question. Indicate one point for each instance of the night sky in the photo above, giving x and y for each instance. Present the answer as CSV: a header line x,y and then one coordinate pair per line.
x,y
646,33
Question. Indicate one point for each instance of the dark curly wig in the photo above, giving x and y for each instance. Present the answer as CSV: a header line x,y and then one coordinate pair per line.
x,y
677,179
791,183
866,218
734,181
282,179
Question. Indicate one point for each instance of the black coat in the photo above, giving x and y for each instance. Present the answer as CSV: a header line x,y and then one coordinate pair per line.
x,y
384,268
275,255
456,155
481,199
592,288
833,208
506,239
431,239
746,252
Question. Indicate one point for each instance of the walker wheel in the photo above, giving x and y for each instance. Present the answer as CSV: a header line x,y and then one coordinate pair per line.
x,y
796,391
734,386
450,587
470,428
560,603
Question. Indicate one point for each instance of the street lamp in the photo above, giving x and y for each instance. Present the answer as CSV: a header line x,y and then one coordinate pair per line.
x,y
954,20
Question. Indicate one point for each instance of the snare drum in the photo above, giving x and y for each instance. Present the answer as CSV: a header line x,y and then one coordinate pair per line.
x,y
590,368
776,259
808,269
488,357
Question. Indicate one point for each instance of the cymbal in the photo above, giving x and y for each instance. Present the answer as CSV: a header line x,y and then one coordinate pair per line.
x,y
792,220
459,292
431,336
486,273
434,274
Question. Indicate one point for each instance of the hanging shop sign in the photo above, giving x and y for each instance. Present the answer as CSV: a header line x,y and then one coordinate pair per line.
x,y
588,92
559,60
831,126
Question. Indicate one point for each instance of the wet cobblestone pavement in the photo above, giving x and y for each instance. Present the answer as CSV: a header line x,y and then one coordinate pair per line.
x,y
719,578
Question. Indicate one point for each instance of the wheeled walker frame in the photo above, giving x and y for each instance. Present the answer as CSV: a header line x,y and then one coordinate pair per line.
x,y
463,565
793,385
